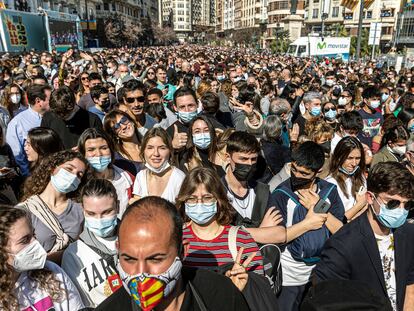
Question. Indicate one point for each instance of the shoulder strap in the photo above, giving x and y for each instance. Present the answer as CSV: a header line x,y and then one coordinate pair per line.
x,y
260,203
288,194
197,297
328,192
232,241
108,258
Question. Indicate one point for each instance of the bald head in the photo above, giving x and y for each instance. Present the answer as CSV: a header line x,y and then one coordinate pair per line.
x,y
156,211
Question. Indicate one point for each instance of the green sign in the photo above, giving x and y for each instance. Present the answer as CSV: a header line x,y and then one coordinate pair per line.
x,y
321,45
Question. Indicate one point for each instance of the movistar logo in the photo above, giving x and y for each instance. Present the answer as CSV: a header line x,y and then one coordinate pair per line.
x,y
321,45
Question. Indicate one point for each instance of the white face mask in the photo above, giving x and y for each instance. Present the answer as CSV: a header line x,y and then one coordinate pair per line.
x,y
330,82
342,101
15,98
110,71
393,105
160,169
32,257
400,150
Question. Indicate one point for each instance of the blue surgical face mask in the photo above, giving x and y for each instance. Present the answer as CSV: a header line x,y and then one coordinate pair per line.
x,y
64,181
186,117
411,128
99,163
201,213
390,218
315,111
341,169
330,114
101,227
202,140
384,97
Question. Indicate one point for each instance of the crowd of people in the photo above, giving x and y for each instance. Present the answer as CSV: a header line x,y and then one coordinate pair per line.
x,y
205,178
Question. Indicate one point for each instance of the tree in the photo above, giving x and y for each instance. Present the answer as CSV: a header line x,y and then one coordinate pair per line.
x,y
165,35
115,31
281,43
336,30
365,48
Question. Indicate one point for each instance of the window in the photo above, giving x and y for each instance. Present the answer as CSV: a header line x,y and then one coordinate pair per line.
x,y
348,16
335,11
98,7
106,6
113,7
315,13
369,14
180,5
181,19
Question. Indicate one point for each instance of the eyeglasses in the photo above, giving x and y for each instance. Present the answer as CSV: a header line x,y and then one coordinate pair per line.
x,y
393,204
84,78
124,120
208,198
151,73
131,100
331,108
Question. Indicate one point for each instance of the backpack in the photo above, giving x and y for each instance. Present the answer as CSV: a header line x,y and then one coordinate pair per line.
x,y
308,246
271,256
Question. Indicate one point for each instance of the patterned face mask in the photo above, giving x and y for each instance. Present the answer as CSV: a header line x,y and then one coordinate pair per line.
x,y
148,290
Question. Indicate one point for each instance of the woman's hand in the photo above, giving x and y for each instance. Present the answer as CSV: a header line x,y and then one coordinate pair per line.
x,y
272,218
238,274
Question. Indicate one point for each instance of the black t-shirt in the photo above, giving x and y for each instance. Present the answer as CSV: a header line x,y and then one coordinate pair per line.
x,y
70,130
216,291
301,121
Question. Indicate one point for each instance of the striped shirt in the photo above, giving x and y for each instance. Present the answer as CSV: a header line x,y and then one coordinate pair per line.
x,y
210,254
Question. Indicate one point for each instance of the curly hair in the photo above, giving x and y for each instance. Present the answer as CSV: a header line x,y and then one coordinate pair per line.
x,y
211,181
40,178
9,215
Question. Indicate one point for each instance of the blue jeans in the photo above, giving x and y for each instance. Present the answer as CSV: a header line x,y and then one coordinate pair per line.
x,y
291,297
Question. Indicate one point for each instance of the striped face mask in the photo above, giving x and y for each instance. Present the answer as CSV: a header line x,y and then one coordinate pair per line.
x,y
148,290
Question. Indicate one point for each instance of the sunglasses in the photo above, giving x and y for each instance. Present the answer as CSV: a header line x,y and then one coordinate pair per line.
x,y
124,120
327,109
84,78
393,204
151,73
131,100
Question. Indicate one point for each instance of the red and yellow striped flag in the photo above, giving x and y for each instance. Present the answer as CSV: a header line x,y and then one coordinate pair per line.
x,y
349,4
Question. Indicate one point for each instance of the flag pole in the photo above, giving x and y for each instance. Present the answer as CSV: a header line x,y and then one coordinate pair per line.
x,y
361,10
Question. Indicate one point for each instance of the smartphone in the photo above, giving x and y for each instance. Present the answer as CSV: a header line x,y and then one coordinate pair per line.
x,y
322,207
361,190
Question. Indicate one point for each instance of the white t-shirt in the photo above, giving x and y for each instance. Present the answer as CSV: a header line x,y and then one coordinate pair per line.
x,y
32,298
89,271
386,250
244,206
171,190
122,183
350,201
335,140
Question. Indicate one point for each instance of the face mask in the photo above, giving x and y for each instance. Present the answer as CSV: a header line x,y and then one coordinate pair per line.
x,y
411,128
99,163
342,101
244,172
105,105
101,227
15,98
159,170
329,82
298,183
400,150
391,218
236,79
123,75
201,213
392,105
110,71
384,97
346,172
202,140
326,146
315,111
32,257
186,117
374,104
330,114
220,78
148,290
64,181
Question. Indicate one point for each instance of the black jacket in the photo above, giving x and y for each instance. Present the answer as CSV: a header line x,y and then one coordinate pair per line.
x,y
352,254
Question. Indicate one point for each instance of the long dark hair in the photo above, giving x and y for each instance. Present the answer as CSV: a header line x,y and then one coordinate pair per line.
x,y
44,141
345,146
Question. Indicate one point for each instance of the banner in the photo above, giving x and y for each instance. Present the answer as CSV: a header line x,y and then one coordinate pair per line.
x,y
22,31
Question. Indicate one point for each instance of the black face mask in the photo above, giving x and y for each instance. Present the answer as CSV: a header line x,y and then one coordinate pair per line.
x,y
326,146
244,172
106,105
298,183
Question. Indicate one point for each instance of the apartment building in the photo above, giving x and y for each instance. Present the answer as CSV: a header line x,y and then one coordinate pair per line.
x,y
190,18
405,26
383,11
277,11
